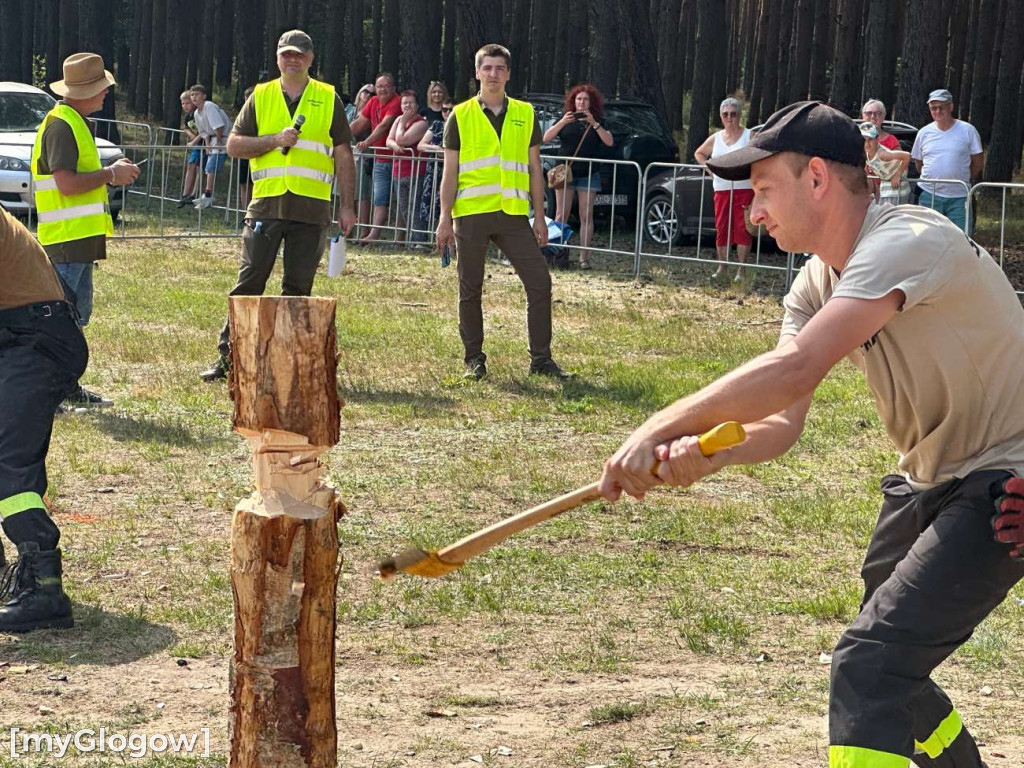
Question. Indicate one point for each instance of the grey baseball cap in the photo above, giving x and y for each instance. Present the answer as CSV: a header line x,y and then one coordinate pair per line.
x,y
295,40
940,94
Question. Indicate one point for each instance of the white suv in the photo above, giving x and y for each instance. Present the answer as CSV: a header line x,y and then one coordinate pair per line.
x,y
22,109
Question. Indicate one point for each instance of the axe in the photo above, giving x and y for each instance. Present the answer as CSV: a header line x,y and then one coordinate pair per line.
x,y
432,565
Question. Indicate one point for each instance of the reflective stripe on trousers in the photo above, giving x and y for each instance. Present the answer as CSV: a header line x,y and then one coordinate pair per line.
x,y
12,505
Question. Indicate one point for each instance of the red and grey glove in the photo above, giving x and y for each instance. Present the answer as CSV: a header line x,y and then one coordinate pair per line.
x,y
1008,521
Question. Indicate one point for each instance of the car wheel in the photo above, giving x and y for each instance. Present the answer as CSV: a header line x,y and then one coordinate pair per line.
x,y
661,222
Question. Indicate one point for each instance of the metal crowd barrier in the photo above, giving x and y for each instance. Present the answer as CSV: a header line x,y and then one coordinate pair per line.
x,y
973,200
675,220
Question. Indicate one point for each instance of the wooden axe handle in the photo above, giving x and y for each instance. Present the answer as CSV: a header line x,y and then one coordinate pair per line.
x,y
723,436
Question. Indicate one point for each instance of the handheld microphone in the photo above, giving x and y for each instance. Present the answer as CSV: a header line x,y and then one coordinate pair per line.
x,y
299,120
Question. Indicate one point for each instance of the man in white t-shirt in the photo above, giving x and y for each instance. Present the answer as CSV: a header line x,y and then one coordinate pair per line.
x,y
212,125
937,330
947,149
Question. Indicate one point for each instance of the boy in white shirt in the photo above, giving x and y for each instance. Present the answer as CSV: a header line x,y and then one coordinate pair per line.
x,y
212,124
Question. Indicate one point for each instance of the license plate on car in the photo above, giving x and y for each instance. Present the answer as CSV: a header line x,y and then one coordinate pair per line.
x,y
607,200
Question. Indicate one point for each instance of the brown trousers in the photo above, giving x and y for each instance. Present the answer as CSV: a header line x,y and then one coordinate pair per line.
x,y
514,236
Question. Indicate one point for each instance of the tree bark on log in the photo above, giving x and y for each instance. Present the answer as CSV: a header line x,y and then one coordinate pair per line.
x,y
284,537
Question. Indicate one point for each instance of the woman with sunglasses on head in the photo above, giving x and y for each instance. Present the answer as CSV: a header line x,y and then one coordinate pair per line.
x,y
437,96
731,197
429,207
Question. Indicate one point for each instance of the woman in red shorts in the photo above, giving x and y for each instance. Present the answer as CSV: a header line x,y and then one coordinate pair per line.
x,y
731,197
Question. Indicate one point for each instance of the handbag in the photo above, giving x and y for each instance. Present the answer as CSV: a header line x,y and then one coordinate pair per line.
x,y
561,174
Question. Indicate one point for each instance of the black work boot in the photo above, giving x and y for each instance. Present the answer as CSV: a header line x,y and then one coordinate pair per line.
x,y
6,575
39,601
218,370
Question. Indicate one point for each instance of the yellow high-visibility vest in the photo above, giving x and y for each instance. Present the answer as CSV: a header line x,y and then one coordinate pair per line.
x,y
308,168
63,218
493,175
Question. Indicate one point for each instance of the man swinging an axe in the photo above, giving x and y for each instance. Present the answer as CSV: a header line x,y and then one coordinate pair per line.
x,y
935,327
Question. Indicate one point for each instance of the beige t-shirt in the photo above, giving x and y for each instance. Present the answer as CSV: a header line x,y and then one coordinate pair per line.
x,y
945,372
26,276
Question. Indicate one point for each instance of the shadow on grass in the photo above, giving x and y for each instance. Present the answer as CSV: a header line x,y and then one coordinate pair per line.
x,y
132,428
636,394
426,403
98,637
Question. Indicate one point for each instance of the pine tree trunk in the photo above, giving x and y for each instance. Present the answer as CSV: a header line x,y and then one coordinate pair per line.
x,y
636,27
207,44
845,89
769,92
757,114
750,54
334,53
249,38
68,28
520,46
53,60
579,42
390,47
674,97
226,42
689,61
983,116
820,51
964,99
10,42
981,105
142,56
1004,149
176,63
604,47
448,51
957,43
414,34
561,58
432,52
801,53
158,55
782,52
877,39
28,27
711,25
912,95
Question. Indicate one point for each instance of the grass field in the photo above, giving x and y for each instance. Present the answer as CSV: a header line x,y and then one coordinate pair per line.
x,y
690,629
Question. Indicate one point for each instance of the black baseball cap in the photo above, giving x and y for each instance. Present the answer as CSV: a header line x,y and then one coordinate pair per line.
x,y
808,127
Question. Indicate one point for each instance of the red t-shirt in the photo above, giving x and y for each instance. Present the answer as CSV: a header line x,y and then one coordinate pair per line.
x,y
376,113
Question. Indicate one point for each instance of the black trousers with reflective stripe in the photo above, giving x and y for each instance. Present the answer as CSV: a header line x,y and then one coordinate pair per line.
x,y
42,355
931,574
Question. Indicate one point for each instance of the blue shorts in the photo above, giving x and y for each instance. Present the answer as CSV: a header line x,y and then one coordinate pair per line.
x,y
584,184
195,157
381,183
79,279
215,162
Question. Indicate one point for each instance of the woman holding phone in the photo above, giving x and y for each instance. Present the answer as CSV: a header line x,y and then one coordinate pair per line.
x,y
580,132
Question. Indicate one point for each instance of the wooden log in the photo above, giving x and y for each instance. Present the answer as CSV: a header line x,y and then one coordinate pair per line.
x,y
283,575
284,540
284,364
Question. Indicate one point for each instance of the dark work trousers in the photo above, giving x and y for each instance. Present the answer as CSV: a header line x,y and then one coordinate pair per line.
x,y
42,355
514,236
931,574
303,246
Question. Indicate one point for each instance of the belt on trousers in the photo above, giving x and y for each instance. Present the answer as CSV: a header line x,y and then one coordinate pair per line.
x,y
32,313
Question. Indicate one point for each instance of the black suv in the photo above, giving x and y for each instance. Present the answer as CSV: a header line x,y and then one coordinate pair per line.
x,y
640,133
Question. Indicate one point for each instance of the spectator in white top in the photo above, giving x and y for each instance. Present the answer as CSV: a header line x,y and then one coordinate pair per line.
x,y
212,125
947,149
732,198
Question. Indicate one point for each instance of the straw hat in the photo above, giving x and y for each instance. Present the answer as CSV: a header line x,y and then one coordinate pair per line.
x,y
84,77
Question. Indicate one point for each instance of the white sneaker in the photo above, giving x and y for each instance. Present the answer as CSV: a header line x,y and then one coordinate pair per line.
x,y
203,202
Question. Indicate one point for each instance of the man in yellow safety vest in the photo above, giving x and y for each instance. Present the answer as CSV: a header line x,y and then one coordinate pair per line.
x,y
295,134
70,185
492,171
